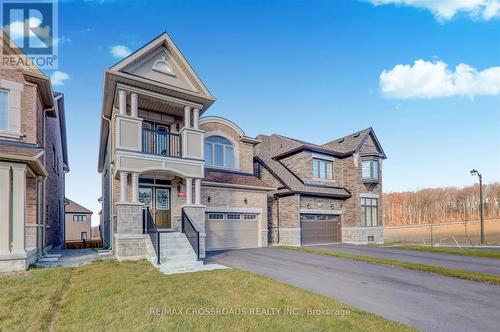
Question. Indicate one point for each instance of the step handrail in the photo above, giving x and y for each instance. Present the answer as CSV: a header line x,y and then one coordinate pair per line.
x,y
149,227
192,233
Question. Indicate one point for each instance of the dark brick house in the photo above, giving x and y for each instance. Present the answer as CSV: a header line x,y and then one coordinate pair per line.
x,y
325,193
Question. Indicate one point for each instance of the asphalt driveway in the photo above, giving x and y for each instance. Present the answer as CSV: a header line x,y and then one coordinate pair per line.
x,y
467,263
426,301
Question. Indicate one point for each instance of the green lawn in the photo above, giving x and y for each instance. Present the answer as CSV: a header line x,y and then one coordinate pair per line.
x,y
121,296
452,251
460,274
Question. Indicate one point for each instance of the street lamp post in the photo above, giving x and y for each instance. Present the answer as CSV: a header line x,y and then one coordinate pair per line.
x,y
475,172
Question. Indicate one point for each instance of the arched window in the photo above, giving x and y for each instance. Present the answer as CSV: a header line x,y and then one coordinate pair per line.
x,y
219,151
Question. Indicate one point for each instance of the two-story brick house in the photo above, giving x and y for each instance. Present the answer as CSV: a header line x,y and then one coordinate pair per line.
x,y
326,193
176,184
33,163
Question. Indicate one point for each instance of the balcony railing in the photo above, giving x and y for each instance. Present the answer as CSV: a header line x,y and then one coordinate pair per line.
x,y
161,143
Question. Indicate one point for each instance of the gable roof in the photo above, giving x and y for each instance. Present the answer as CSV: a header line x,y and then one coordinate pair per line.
x,y
72,207
162,41
352,143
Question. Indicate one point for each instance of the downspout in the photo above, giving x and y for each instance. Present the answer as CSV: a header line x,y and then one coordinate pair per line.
x,y
278,218
44,200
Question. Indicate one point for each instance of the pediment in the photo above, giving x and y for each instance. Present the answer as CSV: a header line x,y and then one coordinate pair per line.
x,y
161,61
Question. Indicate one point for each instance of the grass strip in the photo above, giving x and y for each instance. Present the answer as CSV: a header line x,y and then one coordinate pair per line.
x,y
134,296
460,274
452,251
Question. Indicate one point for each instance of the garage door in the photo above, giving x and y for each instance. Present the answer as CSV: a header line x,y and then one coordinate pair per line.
x,y
320,228
231,231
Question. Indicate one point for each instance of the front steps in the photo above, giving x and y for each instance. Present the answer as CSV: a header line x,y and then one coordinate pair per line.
x,y
177,255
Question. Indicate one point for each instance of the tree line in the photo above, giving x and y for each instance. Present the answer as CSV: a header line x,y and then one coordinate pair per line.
x,y
440,205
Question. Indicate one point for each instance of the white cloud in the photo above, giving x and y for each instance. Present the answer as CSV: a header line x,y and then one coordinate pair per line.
x,y
58,77
16,32
425,79
447,9
120,51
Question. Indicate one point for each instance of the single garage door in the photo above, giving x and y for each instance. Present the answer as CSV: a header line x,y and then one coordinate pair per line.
x,y
320,228
231,231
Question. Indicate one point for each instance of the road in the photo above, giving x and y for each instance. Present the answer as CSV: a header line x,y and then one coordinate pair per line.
x,y
468,263
426,301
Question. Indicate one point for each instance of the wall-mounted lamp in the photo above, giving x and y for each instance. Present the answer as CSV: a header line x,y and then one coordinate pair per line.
x,y
308,206
245,201
178,188
209,199
332,207
177,127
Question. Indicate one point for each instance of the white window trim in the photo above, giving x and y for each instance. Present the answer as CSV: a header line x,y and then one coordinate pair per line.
x,y
14,90
236,149
333,169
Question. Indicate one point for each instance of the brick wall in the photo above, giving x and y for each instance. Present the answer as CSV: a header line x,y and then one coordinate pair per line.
x,y
301,164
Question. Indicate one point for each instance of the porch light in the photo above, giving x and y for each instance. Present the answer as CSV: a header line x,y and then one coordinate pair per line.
x,y
245,200
178,188
209,198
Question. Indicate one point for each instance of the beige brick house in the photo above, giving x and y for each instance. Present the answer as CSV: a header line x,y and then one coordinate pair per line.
x,y
176,184
33,163
78,221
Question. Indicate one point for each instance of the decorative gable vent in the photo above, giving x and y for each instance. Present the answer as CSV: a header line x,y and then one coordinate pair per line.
x,y
162,66
356,135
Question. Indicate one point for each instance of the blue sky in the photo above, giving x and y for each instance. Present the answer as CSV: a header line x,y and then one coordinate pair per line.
x,y
310,70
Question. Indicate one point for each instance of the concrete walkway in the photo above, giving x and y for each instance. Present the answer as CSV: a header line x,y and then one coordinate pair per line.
x,y
68,257
467,263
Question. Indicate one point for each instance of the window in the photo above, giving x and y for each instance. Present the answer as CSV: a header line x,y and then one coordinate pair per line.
x,y
219,152
79,218
215,216
83,236
370,169
233,216
249,216
369,212
322,169
4,110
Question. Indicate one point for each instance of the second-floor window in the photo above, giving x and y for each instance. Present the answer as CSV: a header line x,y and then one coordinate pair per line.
x,y
4,110
79,218
370,169
219,151
322,169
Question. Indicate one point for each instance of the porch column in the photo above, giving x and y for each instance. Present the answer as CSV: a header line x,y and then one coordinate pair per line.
x,y
187,116
196,118
189,189
134,111
123,187
122,102
135,187
4,207
19,206
197,191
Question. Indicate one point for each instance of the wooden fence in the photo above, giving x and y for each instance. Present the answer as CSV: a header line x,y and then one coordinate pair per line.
x,y
83,244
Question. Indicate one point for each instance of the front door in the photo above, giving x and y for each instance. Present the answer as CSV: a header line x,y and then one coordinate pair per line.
x,y
158,201
162,207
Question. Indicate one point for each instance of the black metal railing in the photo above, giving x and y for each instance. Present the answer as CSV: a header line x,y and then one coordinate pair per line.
x,y
149,227
192,233
161,143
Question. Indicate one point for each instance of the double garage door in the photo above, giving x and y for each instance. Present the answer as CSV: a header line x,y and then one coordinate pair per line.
x,y
320,228
231,230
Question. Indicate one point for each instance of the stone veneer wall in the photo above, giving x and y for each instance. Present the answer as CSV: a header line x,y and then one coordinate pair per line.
x,y
130,243
289,220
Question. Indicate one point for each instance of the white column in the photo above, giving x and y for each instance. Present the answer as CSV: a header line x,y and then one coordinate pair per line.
x,y
19,206
187,116
189,191
122,102
123,187
134,110
135,187
197,191
196,118
4,207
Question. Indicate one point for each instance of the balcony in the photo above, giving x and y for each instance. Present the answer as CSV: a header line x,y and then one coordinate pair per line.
x,y
161,143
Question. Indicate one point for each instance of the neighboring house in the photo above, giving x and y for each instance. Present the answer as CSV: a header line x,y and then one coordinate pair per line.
x,y
326,193
170,177
78,222
33,163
